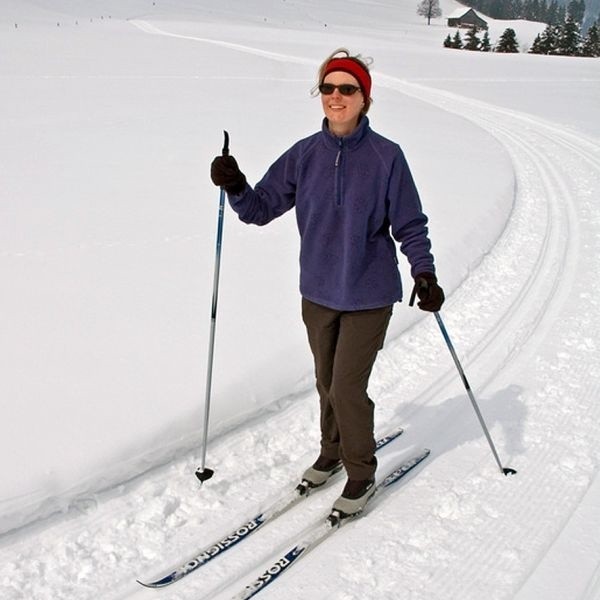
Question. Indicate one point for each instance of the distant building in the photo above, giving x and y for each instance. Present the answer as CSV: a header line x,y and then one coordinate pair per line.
x,y
466,18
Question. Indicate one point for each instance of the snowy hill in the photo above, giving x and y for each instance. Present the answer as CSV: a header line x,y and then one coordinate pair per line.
x,y
110,115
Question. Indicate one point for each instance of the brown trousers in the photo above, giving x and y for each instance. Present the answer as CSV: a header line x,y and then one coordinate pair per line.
x,y
344,345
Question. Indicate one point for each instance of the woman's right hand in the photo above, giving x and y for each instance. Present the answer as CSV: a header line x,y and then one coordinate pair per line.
x,y
225,173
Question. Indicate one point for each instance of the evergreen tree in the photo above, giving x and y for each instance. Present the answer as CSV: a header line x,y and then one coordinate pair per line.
x,y
448,42
508,42
553,39
457,41
472,41
430,9
502,10
532,10
576,10
569,39
546,42
517,8
591,43
552,13
536,47
486,46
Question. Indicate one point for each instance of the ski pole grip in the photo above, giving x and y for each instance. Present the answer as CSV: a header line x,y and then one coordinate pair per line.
x,y
418,285
413,296
225,143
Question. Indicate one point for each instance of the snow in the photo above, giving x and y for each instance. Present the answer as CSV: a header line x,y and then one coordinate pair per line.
x,y
110,115
459,12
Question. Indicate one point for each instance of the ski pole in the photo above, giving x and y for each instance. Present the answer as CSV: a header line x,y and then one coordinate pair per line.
x,y
503,470
438,318
203,473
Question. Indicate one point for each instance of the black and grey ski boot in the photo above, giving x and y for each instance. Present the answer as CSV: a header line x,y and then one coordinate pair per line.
x,y
319,473
355,496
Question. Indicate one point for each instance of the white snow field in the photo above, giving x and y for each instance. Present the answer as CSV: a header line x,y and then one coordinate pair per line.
x,y
110,114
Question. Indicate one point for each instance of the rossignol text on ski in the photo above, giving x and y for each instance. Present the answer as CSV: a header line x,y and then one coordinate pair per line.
x,y
323,530
240,533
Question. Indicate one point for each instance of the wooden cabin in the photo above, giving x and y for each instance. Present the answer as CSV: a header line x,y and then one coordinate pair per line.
x,y
466,18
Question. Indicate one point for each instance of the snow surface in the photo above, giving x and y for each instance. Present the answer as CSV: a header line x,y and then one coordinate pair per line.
x,y
110,114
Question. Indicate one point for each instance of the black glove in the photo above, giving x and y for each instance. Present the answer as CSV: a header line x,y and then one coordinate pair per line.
x,y
431,295
225,173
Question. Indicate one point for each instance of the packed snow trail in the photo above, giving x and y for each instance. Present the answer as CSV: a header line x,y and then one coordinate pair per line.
x,y
549,325
250,525
524,323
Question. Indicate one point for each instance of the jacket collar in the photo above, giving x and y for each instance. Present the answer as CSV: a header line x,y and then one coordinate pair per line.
x,y
348,141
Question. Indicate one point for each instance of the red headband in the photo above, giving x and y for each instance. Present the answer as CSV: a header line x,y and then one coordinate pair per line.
x,y
349,65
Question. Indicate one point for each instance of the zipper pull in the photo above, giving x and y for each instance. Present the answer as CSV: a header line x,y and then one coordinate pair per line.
x,y
339,154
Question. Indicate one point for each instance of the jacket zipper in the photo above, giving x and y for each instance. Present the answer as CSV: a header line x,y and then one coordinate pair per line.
x,y
338,176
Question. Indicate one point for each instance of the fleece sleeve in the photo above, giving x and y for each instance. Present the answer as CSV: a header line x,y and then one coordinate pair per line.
x,y
408,221
274,195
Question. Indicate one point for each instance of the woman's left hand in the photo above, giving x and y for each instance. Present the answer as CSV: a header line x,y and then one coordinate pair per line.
x,y
431,295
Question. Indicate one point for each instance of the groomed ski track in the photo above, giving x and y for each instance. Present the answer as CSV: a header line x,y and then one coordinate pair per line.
x,y
525,323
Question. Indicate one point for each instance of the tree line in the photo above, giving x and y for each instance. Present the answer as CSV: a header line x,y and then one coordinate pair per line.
x,y
507,42
566,39
546,11
559,39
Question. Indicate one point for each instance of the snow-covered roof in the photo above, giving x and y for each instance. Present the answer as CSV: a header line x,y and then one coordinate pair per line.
x,y
459,12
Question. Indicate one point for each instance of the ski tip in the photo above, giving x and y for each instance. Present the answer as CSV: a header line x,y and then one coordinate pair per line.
x,y
148,585
160,583
204,474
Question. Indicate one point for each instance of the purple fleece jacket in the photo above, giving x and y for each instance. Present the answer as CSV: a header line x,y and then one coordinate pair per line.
x,y
352,196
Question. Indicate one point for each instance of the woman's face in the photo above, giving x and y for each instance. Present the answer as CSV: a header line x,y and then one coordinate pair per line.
x,y
342,112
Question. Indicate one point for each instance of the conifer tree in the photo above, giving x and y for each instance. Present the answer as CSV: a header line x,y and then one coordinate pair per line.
x,y
508,42
486,46
561,15
552,13
531,10
457,41
550,39
576,10
472,41
569,38
536,47
448,42
591,43
546,42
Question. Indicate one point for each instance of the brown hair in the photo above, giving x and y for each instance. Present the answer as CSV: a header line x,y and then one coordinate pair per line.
x,y
343,53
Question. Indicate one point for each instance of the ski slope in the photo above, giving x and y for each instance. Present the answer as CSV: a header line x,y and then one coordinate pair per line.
x,y
524,277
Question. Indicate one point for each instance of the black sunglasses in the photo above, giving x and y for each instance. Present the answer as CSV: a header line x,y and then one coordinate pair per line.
x,y
346,89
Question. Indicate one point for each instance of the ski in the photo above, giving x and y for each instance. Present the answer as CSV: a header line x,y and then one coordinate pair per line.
x,y
323,530
240,533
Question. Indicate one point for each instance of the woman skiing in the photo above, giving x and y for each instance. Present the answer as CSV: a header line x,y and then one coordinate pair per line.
x,y
353,194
